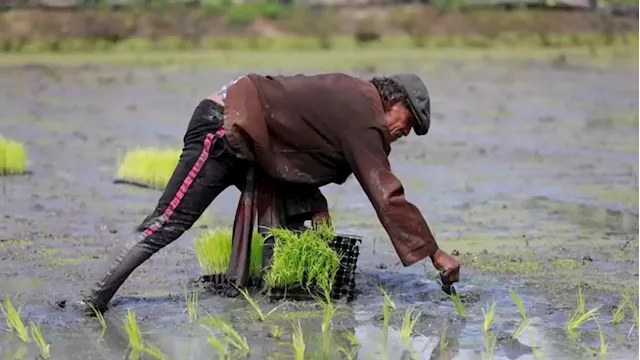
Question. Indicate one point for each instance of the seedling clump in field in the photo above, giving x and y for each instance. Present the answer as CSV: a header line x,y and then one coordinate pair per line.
x,y
39,339
135,338
213,249
14,322
581,316
302,259
13,157
152,167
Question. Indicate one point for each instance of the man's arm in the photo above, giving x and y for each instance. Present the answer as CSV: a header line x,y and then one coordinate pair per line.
x,y
409,232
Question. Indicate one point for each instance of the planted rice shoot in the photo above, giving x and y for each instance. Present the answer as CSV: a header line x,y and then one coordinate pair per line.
x,y
328,309
488,317
489,346
36,333
349,355
133,331
231,335
387,306
443,343
603,342
409,323
521,326
14,322
215,343
255,306
580,316
516,300
457,304
302,259
192,304
98,315
13,157
298,341
276,332
213,250
351,338
149,166
619,314
634,308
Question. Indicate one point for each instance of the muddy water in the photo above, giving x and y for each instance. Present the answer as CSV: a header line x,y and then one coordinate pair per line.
x,y
530,174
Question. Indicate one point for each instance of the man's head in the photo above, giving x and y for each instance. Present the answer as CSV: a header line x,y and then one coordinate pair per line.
x,y
406,104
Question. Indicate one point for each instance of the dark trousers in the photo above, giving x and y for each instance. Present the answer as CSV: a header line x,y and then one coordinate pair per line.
x,y
207,166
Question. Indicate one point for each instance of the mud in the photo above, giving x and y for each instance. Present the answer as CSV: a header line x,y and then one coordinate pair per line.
x,y
529,174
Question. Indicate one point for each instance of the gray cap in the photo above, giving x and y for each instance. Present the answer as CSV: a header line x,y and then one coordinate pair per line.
x,y
418,98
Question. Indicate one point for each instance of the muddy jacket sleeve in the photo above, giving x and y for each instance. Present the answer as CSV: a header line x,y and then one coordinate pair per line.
x,y
407,229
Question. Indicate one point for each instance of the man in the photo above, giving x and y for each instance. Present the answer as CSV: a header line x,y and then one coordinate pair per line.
x,y
306,131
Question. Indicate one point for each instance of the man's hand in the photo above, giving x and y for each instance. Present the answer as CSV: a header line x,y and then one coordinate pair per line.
x,y
447,265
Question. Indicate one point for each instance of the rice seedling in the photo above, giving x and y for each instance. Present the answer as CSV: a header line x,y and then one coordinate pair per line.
x,y
442,342
276,332
13,157
580,316
231,335
634,308
488,317
215,343
349,355
328,309
409,323
351,338
99,316
213,250
619,314
133,331
298,342
387,306
36,333
153,351
192,305
149,166
302,258
458,305
516,300
576,320
14,322
521,326
255,306
489,338
603,342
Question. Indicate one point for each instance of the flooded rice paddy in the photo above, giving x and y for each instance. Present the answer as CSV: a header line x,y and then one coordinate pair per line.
x,y
529,175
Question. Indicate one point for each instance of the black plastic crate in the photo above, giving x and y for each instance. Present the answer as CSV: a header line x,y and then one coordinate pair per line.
x,y
344,287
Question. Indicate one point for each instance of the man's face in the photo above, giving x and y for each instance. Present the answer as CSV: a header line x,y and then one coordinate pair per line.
x,y
399,120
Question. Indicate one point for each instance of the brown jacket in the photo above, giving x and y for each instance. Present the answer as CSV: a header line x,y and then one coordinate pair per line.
x,y
318,130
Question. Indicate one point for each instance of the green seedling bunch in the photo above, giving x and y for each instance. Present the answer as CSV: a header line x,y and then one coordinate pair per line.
x,y
442,342
231,335
603,342
525,321
36,333
191,298
328,309
99,316
276,332
252,302
303,259
409,323
135,338
457,304
387,306
149,166
351,338
298,341
13,157
14,322
489,338
580,316
213,250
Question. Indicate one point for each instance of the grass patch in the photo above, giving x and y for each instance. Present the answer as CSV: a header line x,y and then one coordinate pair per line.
x,y
213,249
302,259
13,157
149,166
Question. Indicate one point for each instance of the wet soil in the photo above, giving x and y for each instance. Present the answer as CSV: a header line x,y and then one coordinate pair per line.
x,y
529,175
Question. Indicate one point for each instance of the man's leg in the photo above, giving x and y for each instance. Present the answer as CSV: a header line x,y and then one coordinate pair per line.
x,y
207,166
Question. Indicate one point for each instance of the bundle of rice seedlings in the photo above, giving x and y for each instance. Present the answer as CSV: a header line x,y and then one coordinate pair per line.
x,y
302,259
148,167
213,249
13,157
